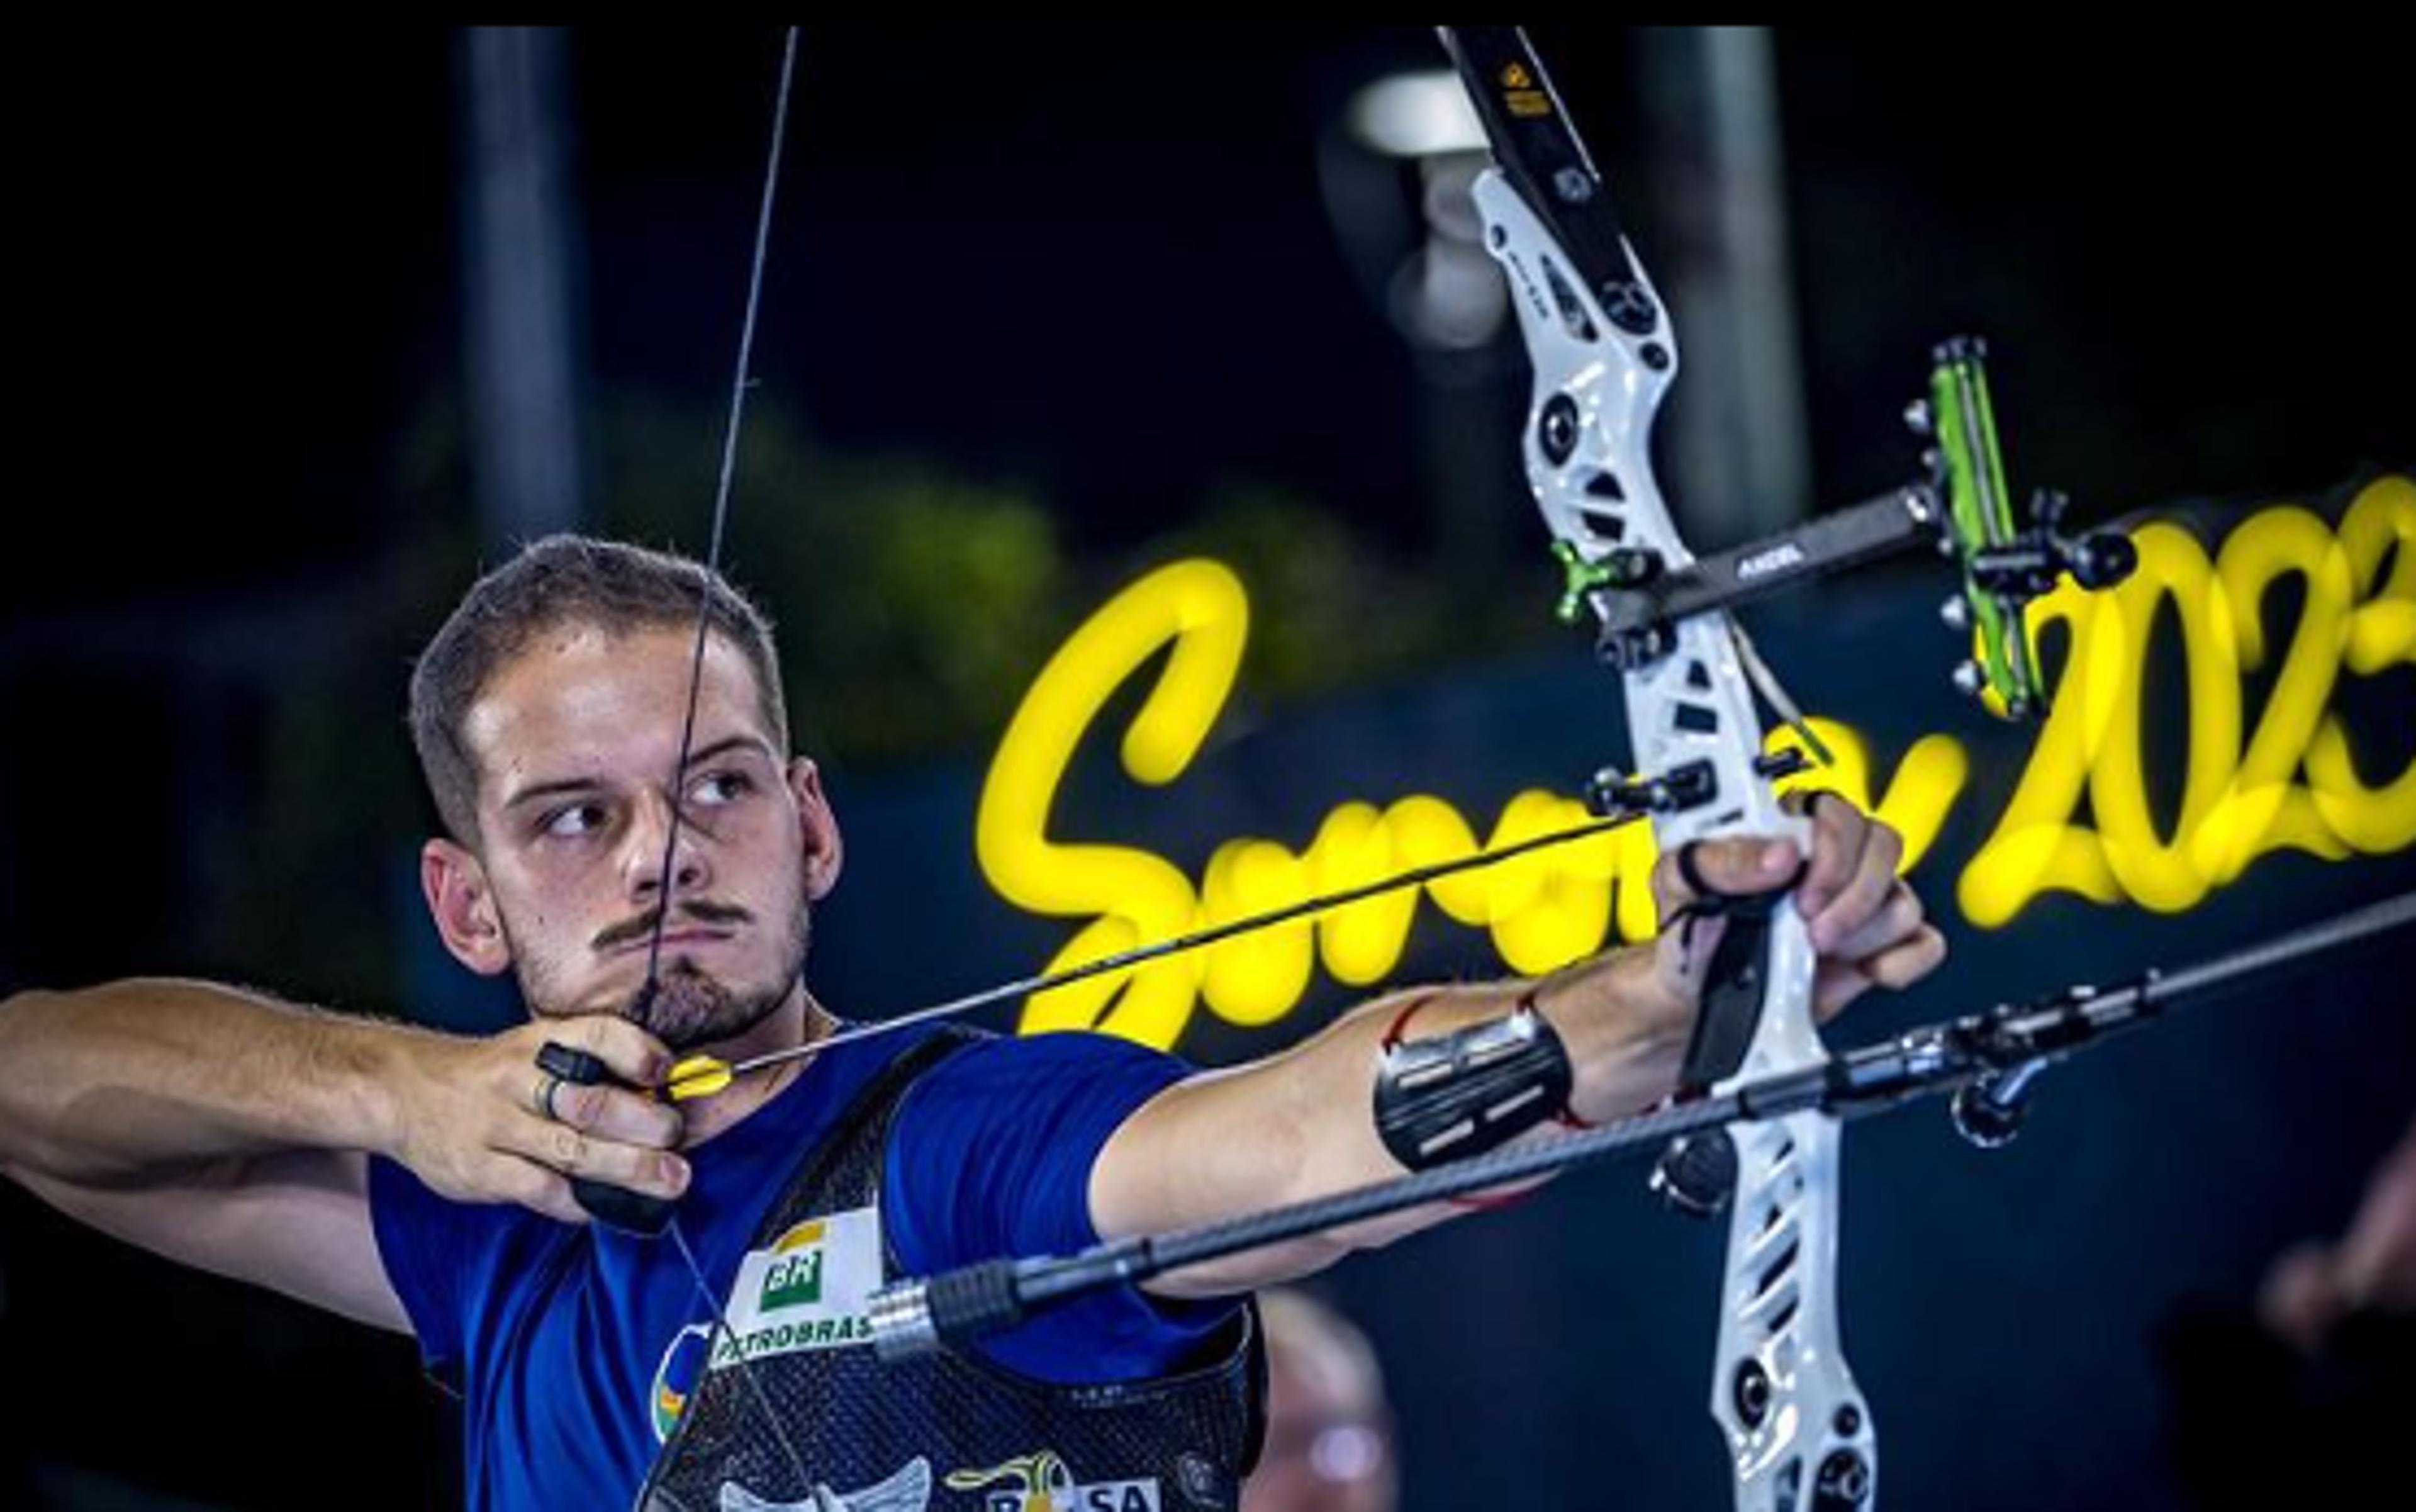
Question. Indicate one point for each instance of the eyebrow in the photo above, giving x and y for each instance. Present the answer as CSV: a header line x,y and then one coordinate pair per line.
x,y
698,757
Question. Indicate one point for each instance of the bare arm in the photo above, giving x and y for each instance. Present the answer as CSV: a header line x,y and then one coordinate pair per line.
x,y
230,1131
1299,1125
212,1126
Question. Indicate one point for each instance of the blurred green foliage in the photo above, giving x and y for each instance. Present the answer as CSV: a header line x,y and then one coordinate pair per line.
x,y
915,603
911,604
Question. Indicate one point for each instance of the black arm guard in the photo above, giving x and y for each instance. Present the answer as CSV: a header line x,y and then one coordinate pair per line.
x,y
1467,1092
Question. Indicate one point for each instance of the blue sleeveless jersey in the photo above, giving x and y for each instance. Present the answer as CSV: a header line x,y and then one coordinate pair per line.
x,y
573,1348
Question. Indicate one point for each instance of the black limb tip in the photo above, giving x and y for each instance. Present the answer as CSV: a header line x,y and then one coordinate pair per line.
x,y
616,1207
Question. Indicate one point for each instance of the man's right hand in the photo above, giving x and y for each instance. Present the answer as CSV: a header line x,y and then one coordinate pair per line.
x,y
230,1131
472,1116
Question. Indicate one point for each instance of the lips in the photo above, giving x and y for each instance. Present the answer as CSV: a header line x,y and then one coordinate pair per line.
x,y
672,938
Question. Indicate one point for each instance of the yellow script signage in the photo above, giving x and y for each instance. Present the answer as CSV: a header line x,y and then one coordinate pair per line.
x,y
2289,782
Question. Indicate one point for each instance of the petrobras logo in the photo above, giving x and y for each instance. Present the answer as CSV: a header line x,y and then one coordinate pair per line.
x,y
795,1276
809,1288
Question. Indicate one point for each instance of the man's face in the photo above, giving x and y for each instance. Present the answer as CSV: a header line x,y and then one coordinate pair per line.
x,y
573,741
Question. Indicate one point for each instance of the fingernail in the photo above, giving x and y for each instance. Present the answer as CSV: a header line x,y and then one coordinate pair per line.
x,y
1777,856
676,1172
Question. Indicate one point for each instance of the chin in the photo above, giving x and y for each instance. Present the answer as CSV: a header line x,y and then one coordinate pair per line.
x,y
691,1008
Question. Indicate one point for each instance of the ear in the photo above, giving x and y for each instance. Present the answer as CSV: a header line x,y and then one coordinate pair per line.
x,y
464,906
816,829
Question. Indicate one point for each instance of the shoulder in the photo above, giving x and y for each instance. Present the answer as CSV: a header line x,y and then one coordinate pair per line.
x,y
1043,1066
996,1143
1055,1088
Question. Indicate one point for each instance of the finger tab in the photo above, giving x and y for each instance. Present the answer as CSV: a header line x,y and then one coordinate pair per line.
x,y
574,1065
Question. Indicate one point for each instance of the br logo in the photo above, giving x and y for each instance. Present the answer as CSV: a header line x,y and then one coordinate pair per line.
x,y
794,1276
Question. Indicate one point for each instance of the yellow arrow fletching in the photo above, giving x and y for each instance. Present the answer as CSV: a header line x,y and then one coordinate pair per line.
x,y
698,1076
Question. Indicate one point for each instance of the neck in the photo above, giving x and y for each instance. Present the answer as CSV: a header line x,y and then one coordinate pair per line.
x,y
798,1021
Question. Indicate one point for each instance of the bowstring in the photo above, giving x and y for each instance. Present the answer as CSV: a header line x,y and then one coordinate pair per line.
x,y
665,885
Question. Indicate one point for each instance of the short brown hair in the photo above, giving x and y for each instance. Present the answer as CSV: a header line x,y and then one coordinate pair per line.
x,y
558,581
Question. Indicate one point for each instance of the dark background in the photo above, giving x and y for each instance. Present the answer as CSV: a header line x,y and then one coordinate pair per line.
x,y
1092,274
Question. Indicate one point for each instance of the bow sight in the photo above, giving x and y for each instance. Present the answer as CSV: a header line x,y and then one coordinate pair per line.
x,y
1959,506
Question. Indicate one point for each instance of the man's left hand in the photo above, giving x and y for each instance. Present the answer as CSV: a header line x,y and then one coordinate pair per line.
x,y
1866,924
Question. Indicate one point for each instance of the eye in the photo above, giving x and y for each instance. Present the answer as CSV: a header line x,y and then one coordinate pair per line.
x,y
573,821
717,789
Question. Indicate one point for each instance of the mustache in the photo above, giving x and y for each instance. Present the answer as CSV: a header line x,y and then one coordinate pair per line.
x,y
697,911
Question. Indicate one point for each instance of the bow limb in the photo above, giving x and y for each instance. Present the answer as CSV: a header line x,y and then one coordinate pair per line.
x,y
1604,354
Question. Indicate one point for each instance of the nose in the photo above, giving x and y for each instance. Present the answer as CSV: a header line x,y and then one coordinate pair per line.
x,y
650,839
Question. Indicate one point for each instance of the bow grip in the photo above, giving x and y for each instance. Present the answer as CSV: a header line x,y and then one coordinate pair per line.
x,y
616,1207
1698,1172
